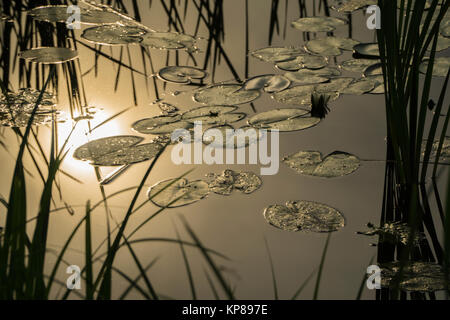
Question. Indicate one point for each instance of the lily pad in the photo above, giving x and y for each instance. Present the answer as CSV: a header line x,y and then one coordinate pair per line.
x,y
113,34
349,6
416,276
165,124
59,14
116,151
49,55
300,78
229,180
311,163
225,94
367,49
305,216
277,54
358,65
303,61
394,233
213,115
177,74
318,24
301,95
232,138
440,67
269,83
284,120
169,41
166,192
330,46
373,70
362,86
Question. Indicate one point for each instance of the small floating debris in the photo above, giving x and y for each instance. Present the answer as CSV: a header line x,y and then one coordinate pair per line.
x,y
117,151
269,83
49,55
330,46
277,54
416,276
114,35
229,180
284,120
175,193
305,216
396,232
312,163
225,94
440,67
318,24
179,74
303,61
167,108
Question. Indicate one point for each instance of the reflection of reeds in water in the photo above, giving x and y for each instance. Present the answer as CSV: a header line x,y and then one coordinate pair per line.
x,y
403,44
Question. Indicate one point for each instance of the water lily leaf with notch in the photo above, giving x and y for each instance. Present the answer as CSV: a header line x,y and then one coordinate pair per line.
x,y
113,34
188,192
169,41
269,83
367,49
318,24
349,6
312,163
165,124
330,46
100,147
363,85
305,216
333,85
229,180
284,120
129,155
277,54
232,138
300,78
440,67
374,70
417,276
358,65
59,14
225,94
49,55
179,74
212,115
301,95
303,61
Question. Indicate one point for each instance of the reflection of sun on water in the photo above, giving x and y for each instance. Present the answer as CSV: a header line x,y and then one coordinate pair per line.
x,y
81,136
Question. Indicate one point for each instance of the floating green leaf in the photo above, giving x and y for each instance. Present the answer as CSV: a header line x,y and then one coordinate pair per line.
x,y
225,94
228,180
303,61
213,115
277,54
165,124
318,24
166,192
284,120
113,34
349,6
178,74
169,41
49,55
305,216
440,67
269,83
336,164
363,85
358,65
367,49
330,46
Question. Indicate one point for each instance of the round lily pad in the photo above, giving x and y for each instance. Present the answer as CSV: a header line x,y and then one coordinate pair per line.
x,y
373,70
229,180
59,14
318,24
361,86
269,83
334,85
49,55
367,49
358,65
169,41
349,6
112,34
225,94
303,61
177,74
166,193
277,54
213,115
305,216
336,164
128,155
440,67
165,124
330,46
416,276
300,78
231,138
284,120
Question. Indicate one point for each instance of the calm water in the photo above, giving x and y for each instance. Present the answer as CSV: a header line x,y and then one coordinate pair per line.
x,y
233,225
